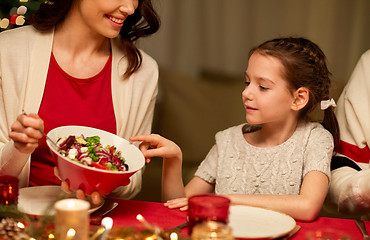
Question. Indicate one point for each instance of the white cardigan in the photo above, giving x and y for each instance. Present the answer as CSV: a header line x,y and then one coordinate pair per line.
x,y
24,62
349,190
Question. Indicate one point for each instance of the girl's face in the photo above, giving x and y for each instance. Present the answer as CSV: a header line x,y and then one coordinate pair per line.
x,y
105,17
266,97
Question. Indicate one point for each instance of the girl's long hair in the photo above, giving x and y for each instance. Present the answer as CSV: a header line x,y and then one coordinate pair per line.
x,y
304,66
142,23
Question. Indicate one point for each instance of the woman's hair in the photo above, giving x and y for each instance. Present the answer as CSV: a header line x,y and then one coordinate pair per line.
x,y
143,22
304,66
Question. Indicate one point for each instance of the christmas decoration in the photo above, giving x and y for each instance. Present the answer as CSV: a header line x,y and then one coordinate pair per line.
x,y
15,225
13,12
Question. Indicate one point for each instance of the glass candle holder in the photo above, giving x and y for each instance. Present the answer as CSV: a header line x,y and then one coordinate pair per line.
x,y
211,230
72,219
207,208
8,190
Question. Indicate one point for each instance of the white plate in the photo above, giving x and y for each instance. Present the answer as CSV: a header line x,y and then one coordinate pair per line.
x,y
35,200
254,222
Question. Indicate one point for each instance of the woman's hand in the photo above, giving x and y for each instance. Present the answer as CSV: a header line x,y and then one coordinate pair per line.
x,y
25,132
154,145
181,203
80,194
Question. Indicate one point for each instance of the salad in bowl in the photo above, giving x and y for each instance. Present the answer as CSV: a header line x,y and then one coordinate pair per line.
x,y
90,152
92,159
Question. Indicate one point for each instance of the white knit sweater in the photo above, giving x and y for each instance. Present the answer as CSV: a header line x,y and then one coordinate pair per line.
x,y
237,167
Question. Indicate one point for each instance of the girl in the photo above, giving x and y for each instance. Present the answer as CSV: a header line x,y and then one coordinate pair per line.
x,y
76,65
278,159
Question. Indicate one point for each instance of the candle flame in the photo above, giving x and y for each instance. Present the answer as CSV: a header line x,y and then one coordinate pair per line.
x,y
140,217
107,222
173,236
71,232
20,225
70,203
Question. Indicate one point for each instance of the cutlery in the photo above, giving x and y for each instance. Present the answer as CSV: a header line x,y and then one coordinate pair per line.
x,y
43,133
361,225
179,227
97,216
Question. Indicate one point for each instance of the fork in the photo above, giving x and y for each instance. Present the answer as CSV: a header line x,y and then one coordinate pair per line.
x,y
97,216
43,133
361,225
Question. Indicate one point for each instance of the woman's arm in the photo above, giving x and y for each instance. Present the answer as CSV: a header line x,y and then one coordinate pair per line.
x,y
349,191
303,207
25,135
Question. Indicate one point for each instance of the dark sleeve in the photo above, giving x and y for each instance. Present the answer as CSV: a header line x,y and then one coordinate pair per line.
x,y
342,161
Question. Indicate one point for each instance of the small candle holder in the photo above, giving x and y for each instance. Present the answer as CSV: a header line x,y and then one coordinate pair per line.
x,y
211,230
8,190
207,207
72,219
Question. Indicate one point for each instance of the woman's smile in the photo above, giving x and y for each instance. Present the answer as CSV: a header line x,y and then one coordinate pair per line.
x,y
116,20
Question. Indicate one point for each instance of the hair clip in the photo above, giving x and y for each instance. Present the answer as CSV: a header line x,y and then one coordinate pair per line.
x,y
327,103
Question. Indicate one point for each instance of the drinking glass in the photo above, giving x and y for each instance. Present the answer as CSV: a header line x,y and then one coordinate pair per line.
x,y
8,190
207,207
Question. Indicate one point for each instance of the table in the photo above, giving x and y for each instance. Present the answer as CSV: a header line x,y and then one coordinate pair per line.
x,y
155,213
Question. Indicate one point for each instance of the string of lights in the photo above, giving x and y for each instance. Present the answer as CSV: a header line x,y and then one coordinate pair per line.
x,y
13,12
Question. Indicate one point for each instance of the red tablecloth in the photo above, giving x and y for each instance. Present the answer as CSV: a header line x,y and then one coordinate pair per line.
x,y
155,213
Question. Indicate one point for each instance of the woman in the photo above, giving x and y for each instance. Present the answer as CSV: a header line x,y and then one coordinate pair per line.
x,y
77,64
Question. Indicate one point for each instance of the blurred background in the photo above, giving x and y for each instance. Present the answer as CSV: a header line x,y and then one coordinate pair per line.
x,y
202,51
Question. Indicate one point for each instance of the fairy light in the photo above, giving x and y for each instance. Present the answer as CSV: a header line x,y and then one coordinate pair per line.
x,y
13,19
20,20
4,23
20,225
174,236
51,236
22,10
13,11
71,233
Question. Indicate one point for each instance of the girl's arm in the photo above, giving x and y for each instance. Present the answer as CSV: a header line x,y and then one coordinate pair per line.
x,y
155,145
303,207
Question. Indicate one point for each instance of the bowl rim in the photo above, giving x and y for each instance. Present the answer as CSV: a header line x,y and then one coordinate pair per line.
x,y
52,148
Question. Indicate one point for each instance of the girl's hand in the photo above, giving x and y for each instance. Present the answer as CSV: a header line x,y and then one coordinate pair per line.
x,y
25,132
155,145
181,203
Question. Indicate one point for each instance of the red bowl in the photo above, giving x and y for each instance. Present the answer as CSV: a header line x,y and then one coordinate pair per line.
x,y
91,179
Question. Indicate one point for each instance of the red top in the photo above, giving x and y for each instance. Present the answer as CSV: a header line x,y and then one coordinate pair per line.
x,y
71,101
357,154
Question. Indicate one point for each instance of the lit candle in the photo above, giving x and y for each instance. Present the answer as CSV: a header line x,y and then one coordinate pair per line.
x,y
72,219
173,236
107,223
141,219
